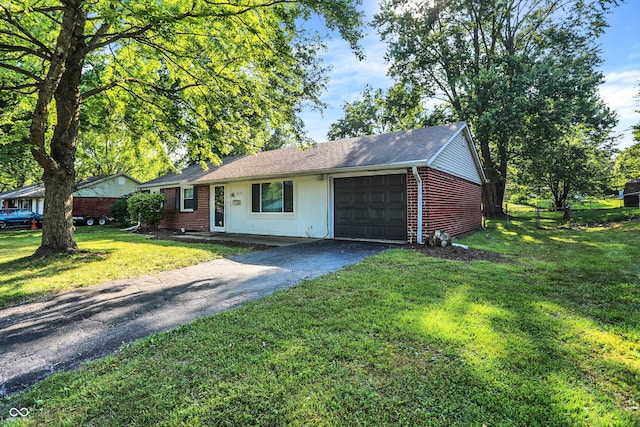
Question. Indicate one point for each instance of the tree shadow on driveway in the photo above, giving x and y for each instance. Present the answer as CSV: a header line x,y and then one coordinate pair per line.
x,y
60,332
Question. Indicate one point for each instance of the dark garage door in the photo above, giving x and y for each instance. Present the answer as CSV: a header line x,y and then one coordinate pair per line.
x,y
371,207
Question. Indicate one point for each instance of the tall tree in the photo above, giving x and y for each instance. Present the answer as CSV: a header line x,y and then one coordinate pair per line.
x,y
17,165
577,164
493,64
209,75
626,166
111,141
385,111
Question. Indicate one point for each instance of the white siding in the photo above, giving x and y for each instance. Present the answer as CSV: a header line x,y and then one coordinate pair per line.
x,y
457,159
310,217
37,205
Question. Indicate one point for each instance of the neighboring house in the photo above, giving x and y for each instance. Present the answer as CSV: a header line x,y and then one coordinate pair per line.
x,y
395,187
93,196
30,197
632,194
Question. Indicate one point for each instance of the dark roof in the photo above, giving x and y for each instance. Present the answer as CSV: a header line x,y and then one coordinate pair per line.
x,y
188,174
397,149
27,192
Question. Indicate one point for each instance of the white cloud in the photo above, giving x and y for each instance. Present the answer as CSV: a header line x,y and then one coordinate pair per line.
x,y
620,92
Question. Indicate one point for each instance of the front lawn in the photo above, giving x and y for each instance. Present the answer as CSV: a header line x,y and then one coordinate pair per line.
x,y
549,339
106,253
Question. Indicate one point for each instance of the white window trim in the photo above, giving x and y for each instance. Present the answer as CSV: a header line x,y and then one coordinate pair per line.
x,y
182,198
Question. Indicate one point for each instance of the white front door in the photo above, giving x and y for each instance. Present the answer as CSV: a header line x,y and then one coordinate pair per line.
x,y
217,208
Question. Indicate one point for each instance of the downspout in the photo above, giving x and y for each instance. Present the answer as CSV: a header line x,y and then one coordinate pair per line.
x,y
416,175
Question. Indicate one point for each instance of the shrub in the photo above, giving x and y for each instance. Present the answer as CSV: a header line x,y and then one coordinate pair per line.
x,y
120,211
148,207
520,199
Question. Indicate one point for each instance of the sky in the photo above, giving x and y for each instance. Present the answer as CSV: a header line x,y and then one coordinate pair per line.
x,y
620,47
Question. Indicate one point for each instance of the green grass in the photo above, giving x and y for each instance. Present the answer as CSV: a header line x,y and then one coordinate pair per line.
x,y
525,216
583,204
551,339
106,254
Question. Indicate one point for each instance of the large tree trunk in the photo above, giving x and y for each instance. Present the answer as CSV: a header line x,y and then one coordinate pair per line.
x,y
492,198
63,83
57,228
493,189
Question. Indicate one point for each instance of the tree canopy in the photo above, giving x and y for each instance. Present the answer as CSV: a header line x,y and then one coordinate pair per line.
x,y
626,166
193,76
523,73
384,111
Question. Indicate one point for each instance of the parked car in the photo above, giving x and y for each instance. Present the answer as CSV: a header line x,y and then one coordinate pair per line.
x,y
18,217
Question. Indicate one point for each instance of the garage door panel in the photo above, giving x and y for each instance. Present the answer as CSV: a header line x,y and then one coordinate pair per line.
x,y
397,215
371,207
377,181
378,197
396,233
360,214
343,198
378,232
377,214
396,180
359,197
396,198
359,182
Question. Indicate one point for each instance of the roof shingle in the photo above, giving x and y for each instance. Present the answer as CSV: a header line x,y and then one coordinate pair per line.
x,y
376,151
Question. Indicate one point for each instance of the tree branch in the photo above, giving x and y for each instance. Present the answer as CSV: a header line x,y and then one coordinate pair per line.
x,y
134,32
23,49
21,71
118,83
17,88
27,36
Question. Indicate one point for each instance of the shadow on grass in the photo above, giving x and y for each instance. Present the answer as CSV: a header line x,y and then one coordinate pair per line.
x,y
537,355
29,277
20,271
594,269
399,339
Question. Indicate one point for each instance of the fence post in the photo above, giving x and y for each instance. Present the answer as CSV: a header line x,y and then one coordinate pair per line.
x,y
506,210
567,215
484,216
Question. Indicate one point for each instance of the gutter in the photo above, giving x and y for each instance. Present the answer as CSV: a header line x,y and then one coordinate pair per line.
x,y
416,175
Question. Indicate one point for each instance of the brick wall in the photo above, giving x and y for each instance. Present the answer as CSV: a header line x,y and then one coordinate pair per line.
x,y
450,203
198,220
94,206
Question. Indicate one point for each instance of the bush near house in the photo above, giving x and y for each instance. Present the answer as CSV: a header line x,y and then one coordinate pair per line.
x,y
120,211
149,207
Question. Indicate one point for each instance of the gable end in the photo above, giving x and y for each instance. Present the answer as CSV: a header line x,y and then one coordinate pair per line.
x,y
460,159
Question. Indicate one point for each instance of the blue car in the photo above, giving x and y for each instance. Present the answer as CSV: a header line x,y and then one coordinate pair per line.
x,y
18,217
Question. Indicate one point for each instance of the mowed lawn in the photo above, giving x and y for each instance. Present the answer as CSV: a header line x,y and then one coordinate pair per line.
x,y
106,253
549,339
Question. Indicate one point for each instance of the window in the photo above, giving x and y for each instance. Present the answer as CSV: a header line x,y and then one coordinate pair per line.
x,y
187,198
270,197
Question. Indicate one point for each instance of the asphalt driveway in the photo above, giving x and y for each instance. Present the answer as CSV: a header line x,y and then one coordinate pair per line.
x,y
58,333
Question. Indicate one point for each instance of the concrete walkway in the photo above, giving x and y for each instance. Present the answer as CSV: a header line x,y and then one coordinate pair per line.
x,y
58,333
